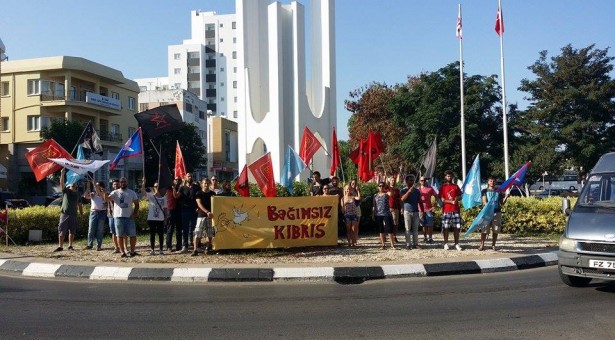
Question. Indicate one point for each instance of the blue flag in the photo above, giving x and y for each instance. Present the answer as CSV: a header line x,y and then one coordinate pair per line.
x,y
71,176
293,165
471,187
483,218
133,147
516,179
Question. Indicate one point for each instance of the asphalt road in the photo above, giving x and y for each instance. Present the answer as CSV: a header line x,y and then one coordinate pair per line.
x,y
522,304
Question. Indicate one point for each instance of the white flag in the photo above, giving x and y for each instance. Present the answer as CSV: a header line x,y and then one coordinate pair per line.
x,y
79,166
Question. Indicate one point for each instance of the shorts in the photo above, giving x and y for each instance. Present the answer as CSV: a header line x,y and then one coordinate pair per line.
x,y
67,223
125,226
395,216
385,224
427,220
112,226
495,224
204,227
351,218
451,219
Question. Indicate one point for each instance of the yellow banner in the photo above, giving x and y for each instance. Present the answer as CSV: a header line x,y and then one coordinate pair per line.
x,y
281,222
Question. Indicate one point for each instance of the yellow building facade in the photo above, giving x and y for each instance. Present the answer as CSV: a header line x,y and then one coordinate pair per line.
x,y
33,92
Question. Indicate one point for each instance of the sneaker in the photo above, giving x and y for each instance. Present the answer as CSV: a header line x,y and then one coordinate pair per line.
x,y
58,249
71,248
124,255
184,250
195,253
446,246
133,254
98,248
88,247
161,253
152,253
430,240
458,247
425,240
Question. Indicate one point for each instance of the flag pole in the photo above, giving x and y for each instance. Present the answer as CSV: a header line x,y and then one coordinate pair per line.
x,y
82,133
504,120
463,130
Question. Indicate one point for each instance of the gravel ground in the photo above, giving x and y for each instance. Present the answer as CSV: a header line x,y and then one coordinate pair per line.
x,y
367,251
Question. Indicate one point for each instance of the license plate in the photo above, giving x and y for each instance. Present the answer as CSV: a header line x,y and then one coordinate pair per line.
x,y
602,264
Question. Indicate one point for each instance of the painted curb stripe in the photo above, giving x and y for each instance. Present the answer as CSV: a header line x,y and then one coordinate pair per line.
x,y
41,269
315,273
2,262
527,262
110,273
365,273
496,265
190,274
403,270
240,274
74,271
151,274
452,268
14,266
549,258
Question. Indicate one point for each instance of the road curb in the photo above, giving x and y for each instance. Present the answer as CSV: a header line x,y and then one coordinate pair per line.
x,y
343,274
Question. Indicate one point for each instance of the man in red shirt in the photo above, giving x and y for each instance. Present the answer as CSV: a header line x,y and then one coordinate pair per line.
x,y
450,194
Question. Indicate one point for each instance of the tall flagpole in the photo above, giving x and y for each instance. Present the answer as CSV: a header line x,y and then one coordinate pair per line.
x,y
463,129
500,30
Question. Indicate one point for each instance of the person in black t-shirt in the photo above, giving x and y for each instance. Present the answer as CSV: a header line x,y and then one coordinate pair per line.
x,y
203,222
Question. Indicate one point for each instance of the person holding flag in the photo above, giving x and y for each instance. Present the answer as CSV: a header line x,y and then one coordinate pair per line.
x,y
495,224
125,208
68,216
98,214
450,194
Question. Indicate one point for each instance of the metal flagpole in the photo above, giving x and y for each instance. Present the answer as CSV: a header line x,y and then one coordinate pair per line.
x,y
463,129
504,120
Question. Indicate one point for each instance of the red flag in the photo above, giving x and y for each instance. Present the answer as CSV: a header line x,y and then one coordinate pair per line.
x,y
363,170
374,145
335,162
356,153
38,158
242,186
262,170
499,22
309,145
180,166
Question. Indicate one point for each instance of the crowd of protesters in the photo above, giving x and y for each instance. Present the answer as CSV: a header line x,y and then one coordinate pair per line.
x,y
184,209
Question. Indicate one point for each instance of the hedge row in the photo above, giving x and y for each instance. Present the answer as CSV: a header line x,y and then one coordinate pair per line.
x,y
521,216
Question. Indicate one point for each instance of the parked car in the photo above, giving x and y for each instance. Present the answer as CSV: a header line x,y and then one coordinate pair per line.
x,y
12,201
549,193
587,247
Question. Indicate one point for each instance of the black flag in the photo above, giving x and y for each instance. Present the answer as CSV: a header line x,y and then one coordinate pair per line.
x,y
90,140
159,120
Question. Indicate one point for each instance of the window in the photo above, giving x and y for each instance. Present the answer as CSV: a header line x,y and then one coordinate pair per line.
x,y
188,107
234,114
5,123
227,146
58,90
221,25
177,56
131,131
177,71
234,25
115,130
201,115
234,40
34,123
132,103
234,69
34,87
234,84
234,54
234,99
115,95
4,88
73,93
143,106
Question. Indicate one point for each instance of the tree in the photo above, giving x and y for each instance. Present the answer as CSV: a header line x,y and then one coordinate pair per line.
x,y
65,132
193,150
572,109
428,106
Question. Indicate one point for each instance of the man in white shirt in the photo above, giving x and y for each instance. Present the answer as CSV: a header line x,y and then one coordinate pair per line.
x,y
125,208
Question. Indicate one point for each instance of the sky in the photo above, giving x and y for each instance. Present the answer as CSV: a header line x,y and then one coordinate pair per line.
x,y
382,41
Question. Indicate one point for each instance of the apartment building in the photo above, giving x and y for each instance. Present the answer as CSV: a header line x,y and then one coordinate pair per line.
x,y
36,91
206,64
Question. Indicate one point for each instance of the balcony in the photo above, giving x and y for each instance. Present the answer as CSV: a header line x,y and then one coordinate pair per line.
x,y
210,93
210,34
210,78
194,76
55,99
210,63
194,62
210,49
110,136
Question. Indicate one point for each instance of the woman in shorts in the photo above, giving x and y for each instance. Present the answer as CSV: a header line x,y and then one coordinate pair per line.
x,y
349,209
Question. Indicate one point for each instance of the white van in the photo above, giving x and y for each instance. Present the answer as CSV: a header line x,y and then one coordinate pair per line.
x,y
587,247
